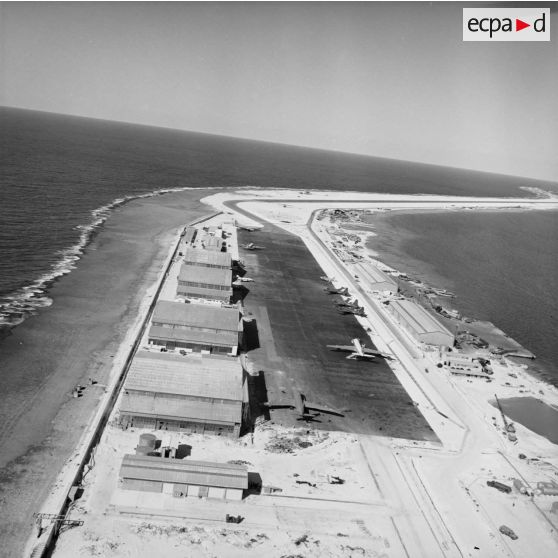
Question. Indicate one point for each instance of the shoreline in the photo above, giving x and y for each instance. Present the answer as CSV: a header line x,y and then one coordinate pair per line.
x,y
388,246
77,338
27,300
392,256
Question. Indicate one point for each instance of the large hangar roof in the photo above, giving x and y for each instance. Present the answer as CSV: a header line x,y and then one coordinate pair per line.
x,y
203,292
205,275
196,315
184,471
193,375
168,407
374,275
418,318
207,257
221,338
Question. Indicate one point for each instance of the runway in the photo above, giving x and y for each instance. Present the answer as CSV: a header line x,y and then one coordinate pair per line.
x,y
294,321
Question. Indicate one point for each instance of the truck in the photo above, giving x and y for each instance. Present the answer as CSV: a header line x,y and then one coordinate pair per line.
x,y
499,486
505,530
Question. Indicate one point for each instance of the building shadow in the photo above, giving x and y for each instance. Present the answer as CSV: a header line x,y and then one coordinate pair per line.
x,y
238,270
250,338
257,399
254,484
240,292
183,450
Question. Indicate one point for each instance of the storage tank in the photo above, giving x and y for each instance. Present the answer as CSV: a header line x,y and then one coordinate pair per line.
x,y
143,450
147,440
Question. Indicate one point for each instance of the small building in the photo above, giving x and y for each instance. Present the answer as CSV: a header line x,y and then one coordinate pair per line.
x,y
194,394
472,373
189,235
195,327
210,242
183,477
374,279
207,283
463,363
547,488
520,486
420,324
207,258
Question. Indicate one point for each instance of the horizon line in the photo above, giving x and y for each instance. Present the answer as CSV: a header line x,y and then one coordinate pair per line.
x,y
284,144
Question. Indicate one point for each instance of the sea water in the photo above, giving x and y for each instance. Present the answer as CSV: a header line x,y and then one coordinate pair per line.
x,y
61,176
502,265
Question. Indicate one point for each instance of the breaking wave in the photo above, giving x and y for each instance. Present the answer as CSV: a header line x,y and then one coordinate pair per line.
x,y
26,301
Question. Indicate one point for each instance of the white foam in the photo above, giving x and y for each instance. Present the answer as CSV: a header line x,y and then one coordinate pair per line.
x,y
26,301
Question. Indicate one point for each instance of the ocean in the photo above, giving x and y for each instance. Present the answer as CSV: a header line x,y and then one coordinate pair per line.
x,y
61,176
502,266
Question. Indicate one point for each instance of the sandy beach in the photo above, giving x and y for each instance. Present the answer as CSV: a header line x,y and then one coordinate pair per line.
x,y
75,339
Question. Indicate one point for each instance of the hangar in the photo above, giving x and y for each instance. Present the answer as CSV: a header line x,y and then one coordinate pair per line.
x,y
207,258
374,279
202,282
195,327
420,323
194,393
183,477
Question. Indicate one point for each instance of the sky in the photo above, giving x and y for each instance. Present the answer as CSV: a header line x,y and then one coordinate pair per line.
x,y
386,79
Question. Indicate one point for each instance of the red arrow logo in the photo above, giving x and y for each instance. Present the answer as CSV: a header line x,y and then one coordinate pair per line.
x,y
519,25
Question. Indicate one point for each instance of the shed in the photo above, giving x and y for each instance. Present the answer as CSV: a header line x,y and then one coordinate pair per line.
x,y
189,235
184,477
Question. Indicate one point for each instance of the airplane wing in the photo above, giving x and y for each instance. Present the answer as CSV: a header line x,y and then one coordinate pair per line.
x,y
345,348
356,356
373,353
321,409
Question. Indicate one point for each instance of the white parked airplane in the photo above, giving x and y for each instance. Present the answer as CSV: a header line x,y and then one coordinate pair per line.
x,y
358,351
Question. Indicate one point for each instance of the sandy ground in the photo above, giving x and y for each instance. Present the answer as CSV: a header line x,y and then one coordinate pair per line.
x,y
401,498
83,334
131,523
459,411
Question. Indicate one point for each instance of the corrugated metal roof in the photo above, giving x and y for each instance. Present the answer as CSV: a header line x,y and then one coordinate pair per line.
x,y
184,471
196,315
222,338
207,275
373,275
207,257
203,292
418,318
165,407
193,375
